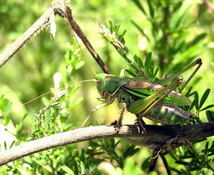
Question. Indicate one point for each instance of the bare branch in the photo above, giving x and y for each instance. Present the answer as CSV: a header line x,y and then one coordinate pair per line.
x,y
155,137
37,27
86,42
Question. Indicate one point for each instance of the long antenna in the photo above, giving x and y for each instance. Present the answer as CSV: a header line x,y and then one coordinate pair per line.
x,y
49,92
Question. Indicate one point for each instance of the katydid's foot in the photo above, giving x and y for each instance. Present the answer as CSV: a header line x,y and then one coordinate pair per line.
x,y
118,122
114,122
117,125
141,124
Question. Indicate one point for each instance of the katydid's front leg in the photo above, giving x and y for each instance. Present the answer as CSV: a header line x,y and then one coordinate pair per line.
x,y
197,62
144,105
93,111
119,122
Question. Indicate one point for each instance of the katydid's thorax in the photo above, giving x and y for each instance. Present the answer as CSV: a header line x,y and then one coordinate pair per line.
x,y
109,85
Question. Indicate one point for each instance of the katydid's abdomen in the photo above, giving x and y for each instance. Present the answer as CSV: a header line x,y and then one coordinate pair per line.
x,y
168,114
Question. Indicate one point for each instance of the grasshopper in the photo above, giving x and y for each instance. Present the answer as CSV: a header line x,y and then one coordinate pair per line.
x,y
146,99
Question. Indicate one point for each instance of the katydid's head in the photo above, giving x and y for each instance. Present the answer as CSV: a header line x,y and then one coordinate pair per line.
x,y
101,83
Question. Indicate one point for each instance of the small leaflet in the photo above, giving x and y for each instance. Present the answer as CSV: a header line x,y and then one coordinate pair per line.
x,y
111,37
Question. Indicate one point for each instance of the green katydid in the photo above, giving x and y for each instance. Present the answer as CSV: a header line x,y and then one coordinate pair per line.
x,y
146,99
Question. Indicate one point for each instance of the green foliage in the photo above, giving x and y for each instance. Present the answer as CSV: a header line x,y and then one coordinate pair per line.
x,y
5,105
135,66
199,161
170,34
169,31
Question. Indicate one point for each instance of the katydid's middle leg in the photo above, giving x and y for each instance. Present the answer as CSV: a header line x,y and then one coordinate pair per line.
x,y
197,62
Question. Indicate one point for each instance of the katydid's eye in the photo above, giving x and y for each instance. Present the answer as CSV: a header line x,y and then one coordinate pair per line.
x,y
98,82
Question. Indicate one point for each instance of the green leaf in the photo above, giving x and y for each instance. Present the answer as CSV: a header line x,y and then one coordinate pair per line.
x,y
204,97
195,40
151,9
140,30
210,115
140,6
130,73
146,163
207,107
180,17
130,151
138,60
5,105
195,101
67,169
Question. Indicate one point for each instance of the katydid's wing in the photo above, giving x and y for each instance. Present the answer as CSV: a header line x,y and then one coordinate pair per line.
x,y
141,104
137,83
145,88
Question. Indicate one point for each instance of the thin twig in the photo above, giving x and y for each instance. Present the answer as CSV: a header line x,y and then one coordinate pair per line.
x,y
165,163
85,41
153,160
64,11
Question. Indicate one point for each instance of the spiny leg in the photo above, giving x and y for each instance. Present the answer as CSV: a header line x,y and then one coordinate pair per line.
x,y
143,104
197,62
152,100
92,112
167,92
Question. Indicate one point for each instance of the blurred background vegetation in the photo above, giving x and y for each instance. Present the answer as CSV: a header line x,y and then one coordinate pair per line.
x,y
175,31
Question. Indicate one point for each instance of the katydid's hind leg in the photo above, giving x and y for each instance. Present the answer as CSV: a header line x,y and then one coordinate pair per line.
x,y
166,92
92,112
152,101
197,62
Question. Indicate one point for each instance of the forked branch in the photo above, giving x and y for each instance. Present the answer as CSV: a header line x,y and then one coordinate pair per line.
x,y
58,7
